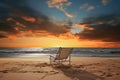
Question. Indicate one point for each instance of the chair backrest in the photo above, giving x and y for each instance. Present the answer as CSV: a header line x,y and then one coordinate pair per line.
x,y
63,53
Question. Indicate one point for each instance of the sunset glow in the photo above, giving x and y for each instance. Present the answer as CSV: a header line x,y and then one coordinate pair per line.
x,y
59,23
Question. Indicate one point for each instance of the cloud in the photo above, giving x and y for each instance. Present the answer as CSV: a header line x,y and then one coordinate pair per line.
x,y
18,20
60,5
105,2
106,28
2,36
30,19
78,28
87,7
68,14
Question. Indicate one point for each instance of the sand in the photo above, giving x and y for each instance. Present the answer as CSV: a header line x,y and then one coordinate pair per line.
x,y
38,68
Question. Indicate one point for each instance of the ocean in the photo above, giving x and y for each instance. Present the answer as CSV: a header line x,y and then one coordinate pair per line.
x,y
80,52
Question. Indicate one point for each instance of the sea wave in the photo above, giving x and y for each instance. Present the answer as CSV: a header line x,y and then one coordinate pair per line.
x,y
96,52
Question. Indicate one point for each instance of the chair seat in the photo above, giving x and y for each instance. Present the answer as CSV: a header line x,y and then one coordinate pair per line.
x,y
63,55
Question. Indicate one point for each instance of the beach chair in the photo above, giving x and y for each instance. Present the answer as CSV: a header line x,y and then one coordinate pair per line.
x,y
63,55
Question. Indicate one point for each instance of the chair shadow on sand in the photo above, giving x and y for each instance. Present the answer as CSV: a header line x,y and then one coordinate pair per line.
x,y
78,74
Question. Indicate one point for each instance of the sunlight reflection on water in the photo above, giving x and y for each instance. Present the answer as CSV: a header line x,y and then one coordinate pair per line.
x,y
32,55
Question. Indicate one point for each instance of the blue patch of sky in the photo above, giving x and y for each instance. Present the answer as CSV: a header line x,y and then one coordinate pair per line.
x,y
42,6
3,5
100,9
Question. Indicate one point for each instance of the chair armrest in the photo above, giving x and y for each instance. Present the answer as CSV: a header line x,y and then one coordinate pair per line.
x,y
52,56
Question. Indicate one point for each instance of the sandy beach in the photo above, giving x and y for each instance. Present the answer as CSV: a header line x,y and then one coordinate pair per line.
x,y
38,68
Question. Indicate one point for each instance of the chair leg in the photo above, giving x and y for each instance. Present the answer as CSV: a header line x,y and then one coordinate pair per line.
x,y
59,62
70,60
50,60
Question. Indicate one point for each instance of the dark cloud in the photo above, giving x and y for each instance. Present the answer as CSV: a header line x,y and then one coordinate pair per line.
x,y
2,36
17,16
106,28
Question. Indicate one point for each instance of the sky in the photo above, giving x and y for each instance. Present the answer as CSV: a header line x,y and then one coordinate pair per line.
x,y
60,23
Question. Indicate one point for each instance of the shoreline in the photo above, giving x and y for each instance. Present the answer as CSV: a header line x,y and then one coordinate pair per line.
x,y
71,56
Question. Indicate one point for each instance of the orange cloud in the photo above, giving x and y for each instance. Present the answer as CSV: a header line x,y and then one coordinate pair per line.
x,y
16,28
20,24
105,2
68,14
17,23
30,19
12,37
60,5
9,19
85,26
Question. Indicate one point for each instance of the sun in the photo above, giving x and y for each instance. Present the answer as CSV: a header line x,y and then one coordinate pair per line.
x,y
57,45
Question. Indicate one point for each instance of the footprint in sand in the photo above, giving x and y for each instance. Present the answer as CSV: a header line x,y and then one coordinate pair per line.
x,y
14,69
109,75
117,74
4,71
106,75
79,66
54,72
48,74
23,71
103,74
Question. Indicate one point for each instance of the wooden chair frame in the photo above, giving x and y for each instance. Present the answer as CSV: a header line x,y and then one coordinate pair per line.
x,y
60,61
